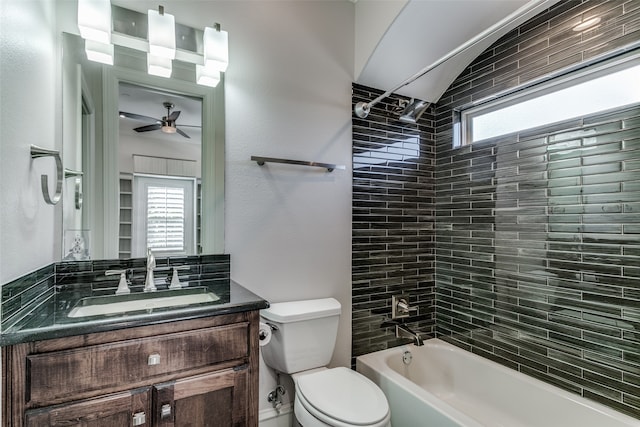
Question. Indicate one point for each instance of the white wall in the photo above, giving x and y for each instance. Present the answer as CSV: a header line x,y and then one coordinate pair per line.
x,y
288,94
29,114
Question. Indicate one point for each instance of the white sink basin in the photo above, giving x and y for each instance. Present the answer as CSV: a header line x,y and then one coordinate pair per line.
x,y
118,304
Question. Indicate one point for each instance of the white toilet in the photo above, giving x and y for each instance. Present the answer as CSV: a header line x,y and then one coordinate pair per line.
x,y
303,338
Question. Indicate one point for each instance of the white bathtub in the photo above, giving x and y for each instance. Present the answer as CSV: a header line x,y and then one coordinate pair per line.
x,y
445,386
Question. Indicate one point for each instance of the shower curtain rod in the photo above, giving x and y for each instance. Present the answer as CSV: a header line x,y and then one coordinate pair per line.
x,y
361,109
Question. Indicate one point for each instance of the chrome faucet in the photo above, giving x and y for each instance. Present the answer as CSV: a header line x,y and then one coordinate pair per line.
x,y
149,285
403,331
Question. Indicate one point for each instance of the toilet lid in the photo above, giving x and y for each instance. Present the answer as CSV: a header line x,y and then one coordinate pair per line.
x,y
344,395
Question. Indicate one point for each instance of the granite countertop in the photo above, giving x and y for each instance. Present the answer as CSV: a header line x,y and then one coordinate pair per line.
x,y
50,319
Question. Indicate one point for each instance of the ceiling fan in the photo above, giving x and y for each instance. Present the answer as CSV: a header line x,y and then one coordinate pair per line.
x,y
167,124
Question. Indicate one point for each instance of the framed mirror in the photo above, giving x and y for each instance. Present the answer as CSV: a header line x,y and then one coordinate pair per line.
x,y
92,103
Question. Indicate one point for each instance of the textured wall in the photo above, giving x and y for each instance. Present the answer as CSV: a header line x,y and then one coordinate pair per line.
x,y
393,228
538,242
29,114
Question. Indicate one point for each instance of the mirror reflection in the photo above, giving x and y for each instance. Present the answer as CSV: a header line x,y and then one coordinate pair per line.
x,y
159,151
140,141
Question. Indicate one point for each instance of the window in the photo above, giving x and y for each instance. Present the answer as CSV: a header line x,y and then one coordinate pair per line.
x,y
163,215
576,95
165,218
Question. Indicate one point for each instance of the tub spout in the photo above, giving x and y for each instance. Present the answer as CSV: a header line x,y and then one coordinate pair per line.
x,y
403,331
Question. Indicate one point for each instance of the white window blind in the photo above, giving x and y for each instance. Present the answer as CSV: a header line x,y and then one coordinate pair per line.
x,y
165,218
163,215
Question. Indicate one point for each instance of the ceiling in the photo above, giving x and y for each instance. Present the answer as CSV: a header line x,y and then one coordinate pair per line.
x,y
149,102
425,31
394,39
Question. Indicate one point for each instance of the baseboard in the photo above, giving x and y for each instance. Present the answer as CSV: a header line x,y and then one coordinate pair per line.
x,y
269,417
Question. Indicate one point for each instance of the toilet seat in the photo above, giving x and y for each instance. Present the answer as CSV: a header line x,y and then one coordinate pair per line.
x,y
341,397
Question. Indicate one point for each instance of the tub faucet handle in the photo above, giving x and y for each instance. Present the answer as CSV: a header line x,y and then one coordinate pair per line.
x,y
400,307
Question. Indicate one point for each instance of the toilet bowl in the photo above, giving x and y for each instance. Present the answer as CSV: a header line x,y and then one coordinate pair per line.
x,y
302,343
339,397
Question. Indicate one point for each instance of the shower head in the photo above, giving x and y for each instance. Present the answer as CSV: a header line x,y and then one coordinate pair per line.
x,y
413,110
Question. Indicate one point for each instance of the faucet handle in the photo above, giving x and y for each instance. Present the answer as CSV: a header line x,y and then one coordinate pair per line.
x,y
123,285
175,279
400,307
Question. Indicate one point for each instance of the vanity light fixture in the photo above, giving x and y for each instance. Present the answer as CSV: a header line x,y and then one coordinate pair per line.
x,y
162,34
94,23
211,57
216,48
99,52
207,76
158,66
94,20
588,24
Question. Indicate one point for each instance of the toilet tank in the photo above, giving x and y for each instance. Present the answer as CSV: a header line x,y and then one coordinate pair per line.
x,y
305,336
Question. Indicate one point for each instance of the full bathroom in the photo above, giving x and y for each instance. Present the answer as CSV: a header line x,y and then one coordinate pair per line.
x,y
351,214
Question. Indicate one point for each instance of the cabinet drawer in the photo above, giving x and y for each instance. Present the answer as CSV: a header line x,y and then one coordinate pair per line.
x,y
132,362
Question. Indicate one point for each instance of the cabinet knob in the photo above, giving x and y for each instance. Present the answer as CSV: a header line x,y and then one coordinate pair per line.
x,y
153,359
139,419
165,411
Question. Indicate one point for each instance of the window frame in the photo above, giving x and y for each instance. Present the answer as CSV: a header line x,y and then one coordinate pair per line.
x,y
139,218
463,120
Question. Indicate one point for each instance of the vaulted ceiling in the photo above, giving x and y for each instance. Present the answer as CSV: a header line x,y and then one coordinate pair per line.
x,y
397,39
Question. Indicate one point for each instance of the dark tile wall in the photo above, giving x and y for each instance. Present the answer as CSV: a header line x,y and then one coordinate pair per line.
x,y
538,233
393,226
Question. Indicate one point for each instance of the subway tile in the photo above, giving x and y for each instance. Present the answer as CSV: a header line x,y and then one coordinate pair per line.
x,y
535,234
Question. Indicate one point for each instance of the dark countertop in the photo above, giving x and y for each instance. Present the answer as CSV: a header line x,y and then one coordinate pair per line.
x,y
50,318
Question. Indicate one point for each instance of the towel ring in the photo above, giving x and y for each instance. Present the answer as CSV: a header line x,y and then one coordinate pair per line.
x,y
37,152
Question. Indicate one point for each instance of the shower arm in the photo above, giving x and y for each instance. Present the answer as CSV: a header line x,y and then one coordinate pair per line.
x,y
362,109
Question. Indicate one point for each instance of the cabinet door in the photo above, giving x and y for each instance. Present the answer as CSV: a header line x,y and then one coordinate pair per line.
x,y
211,400
120,409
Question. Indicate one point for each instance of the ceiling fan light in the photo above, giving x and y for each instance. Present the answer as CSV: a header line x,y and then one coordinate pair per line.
x,y
207,76
94,20
216,49
99,52
158,66
168,129
162,34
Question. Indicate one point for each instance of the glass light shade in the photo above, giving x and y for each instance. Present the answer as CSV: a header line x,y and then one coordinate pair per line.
x,y
168,129
158,66
94,20
216,49
99,52
162,34
207,76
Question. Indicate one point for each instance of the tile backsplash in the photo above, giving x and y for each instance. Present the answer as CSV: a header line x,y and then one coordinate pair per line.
x,y
25,293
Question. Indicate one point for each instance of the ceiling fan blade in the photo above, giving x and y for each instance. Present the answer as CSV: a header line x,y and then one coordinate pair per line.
x,y
173,116
182,133
147,128
138,117
189,126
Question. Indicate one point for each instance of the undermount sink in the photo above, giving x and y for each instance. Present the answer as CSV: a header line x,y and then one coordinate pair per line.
x,y
119,304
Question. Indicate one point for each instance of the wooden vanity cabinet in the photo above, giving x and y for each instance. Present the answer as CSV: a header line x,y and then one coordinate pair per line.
x,y
201,372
